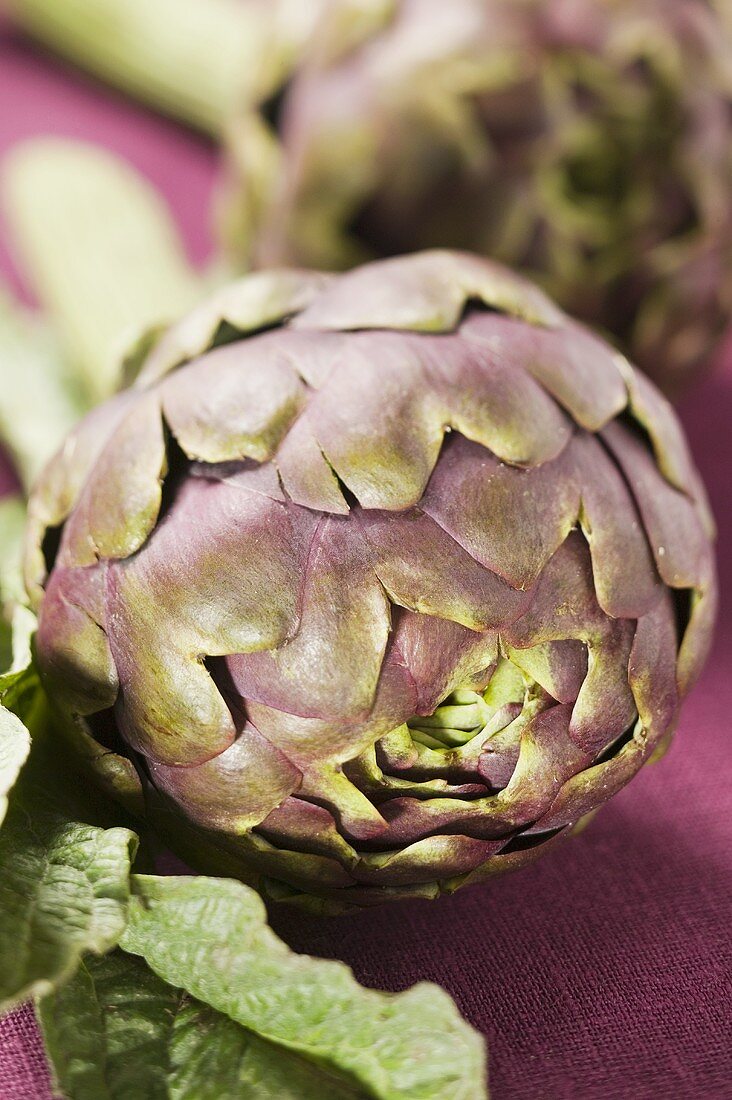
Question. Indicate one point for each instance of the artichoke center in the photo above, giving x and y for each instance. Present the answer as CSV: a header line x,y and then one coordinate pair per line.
x,y
455,722
465,712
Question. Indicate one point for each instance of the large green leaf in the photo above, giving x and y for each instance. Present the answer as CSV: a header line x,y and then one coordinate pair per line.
x,y
64,882
201,61
12,525
62,894
100,250
13,620
18,688
14,749
15,649
39,401
191,60
116,1031
210,937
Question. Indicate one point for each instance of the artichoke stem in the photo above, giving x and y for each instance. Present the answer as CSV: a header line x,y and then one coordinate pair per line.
x,y
193,61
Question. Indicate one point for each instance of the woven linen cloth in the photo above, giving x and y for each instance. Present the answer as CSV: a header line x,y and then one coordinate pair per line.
x,y
603,971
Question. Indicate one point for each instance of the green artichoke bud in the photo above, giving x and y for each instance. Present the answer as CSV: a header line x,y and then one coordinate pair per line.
x,y
586,142
377,583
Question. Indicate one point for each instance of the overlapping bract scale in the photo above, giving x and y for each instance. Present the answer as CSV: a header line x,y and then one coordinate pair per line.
x,y
385,597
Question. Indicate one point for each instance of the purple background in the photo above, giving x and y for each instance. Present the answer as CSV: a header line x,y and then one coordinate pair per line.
x,y
604,971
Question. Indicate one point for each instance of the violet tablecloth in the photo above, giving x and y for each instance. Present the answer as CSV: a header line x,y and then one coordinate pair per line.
x,y
603,972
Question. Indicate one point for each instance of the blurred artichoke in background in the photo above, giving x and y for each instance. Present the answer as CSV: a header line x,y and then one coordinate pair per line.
x,y
584,141
587,142
373,585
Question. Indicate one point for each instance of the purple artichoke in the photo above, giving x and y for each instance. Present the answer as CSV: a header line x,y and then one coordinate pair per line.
x,y
372,585
585,141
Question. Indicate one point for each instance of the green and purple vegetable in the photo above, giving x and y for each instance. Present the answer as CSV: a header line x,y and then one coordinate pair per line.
x,y
174,987
586,142
372,585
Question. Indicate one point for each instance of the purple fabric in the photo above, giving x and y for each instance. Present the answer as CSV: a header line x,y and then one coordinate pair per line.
x,y
23,1070
602,971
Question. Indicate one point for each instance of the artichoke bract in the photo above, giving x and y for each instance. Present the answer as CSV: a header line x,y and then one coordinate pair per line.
x,y
374,584
585,141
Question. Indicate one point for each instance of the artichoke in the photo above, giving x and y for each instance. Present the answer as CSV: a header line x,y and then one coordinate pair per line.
x,y
584,141
373,584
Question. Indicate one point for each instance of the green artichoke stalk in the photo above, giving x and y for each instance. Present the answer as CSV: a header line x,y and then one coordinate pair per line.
x,y
372,585
198,61
586,142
